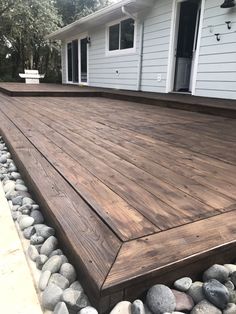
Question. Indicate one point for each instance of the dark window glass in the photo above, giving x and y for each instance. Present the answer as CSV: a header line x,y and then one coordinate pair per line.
x,y
127,34
83,59
114,37
69,62
75,66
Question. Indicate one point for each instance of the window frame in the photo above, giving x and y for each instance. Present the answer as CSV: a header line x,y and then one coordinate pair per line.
x,y
120,51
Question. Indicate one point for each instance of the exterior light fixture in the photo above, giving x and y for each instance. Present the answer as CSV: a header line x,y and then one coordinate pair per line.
x,y
88,40
228,4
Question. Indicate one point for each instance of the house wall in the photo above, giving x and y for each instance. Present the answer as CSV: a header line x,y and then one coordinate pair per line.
x,y
103,68
157,25
216,75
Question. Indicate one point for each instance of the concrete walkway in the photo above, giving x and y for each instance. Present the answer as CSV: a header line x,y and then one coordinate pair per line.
x,y
17,290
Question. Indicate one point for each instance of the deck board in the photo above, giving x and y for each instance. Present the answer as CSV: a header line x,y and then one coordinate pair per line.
x,y
149,178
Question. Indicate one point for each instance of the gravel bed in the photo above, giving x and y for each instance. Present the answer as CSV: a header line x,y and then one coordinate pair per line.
x,y
62,293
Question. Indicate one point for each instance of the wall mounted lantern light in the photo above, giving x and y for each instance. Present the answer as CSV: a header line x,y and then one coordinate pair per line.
x,y
228,4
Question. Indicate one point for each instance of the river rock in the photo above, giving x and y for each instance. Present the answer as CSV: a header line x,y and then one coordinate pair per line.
x,y
183,284
160,299
44,279
53,264
76,286
137,307
25,207
205,307
59,280
15,175
49,245
35,239
67,270
3,159
51,296
196,291
231,268
21,187
9,187
28,232
35,207
26,222
61,308
38,217
216,293
33,253
88,310
56,252
229,285
233,278
41,260
123,307
230,309
217,272
183,301
17,200
71,298
28,201
44,231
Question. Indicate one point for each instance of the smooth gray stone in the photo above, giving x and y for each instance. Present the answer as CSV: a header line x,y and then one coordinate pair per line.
x,y
232,296
35,239
41,260
12,168
89,310
59,280
49,245
196,291
28,201
21,216
16,215
71,298
38,247
216,293
20,181
160,299
3,159
67,270
21,187
51,296
38,217
26,212
217,272
11,194
183,301
61,308
45,232
15,207
17,200
28,232
53,264
44,279
26,222
205,307
33,253
230,309
23,207
231,268
229,285
56,252
64,259
83,301
76,286
183,284
137,307
35,207
9,187
15,175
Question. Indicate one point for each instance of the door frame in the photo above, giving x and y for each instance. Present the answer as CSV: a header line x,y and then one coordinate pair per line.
x,y
173,43
82,36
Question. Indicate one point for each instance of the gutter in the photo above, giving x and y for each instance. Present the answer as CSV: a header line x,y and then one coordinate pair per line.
x,y
140,59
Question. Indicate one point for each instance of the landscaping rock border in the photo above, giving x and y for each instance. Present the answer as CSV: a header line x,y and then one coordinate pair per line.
x,y
63,294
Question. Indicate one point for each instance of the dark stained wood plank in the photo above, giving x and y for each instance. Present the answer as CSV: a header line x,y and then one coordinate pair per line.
x,y
161,253
125,221
90,243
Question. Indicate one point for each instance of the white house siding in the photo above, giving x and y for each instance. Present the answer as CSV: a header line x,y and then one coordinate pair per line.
x,y
216,76
102,68
156,43
63,62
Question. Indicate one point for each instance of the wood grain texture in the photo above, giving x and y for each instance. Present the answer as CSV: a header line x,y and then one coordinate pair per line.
x,y
151,190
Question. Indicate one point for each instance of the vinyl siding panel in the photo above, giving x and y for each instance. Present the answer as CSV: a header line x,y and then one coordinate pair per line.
x,y
156,43
216,72
103,68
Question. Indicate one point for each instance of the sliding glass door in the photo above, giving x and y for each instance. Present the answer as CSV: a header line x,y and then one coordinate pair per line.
x,y
77,61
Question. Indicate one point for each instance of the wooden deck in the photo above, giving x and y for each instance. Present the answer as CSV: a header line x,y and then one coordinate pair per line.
x,y
214,106
138,194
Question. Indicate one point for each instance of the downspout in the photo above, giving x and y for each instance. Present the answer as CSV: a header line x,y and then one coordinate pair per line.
x,y
140,59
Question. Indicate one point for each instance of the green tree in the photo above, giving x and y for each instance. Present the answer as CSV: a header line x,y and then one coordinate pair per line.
x,y
23,27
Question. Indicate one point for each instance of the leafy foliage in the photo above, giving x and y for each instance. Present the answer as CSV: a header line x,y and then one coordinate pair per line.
x,y
23,27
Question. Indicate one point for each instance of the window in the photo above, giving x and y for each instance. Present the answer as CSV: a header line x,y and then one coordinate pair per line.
x,y
121,36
